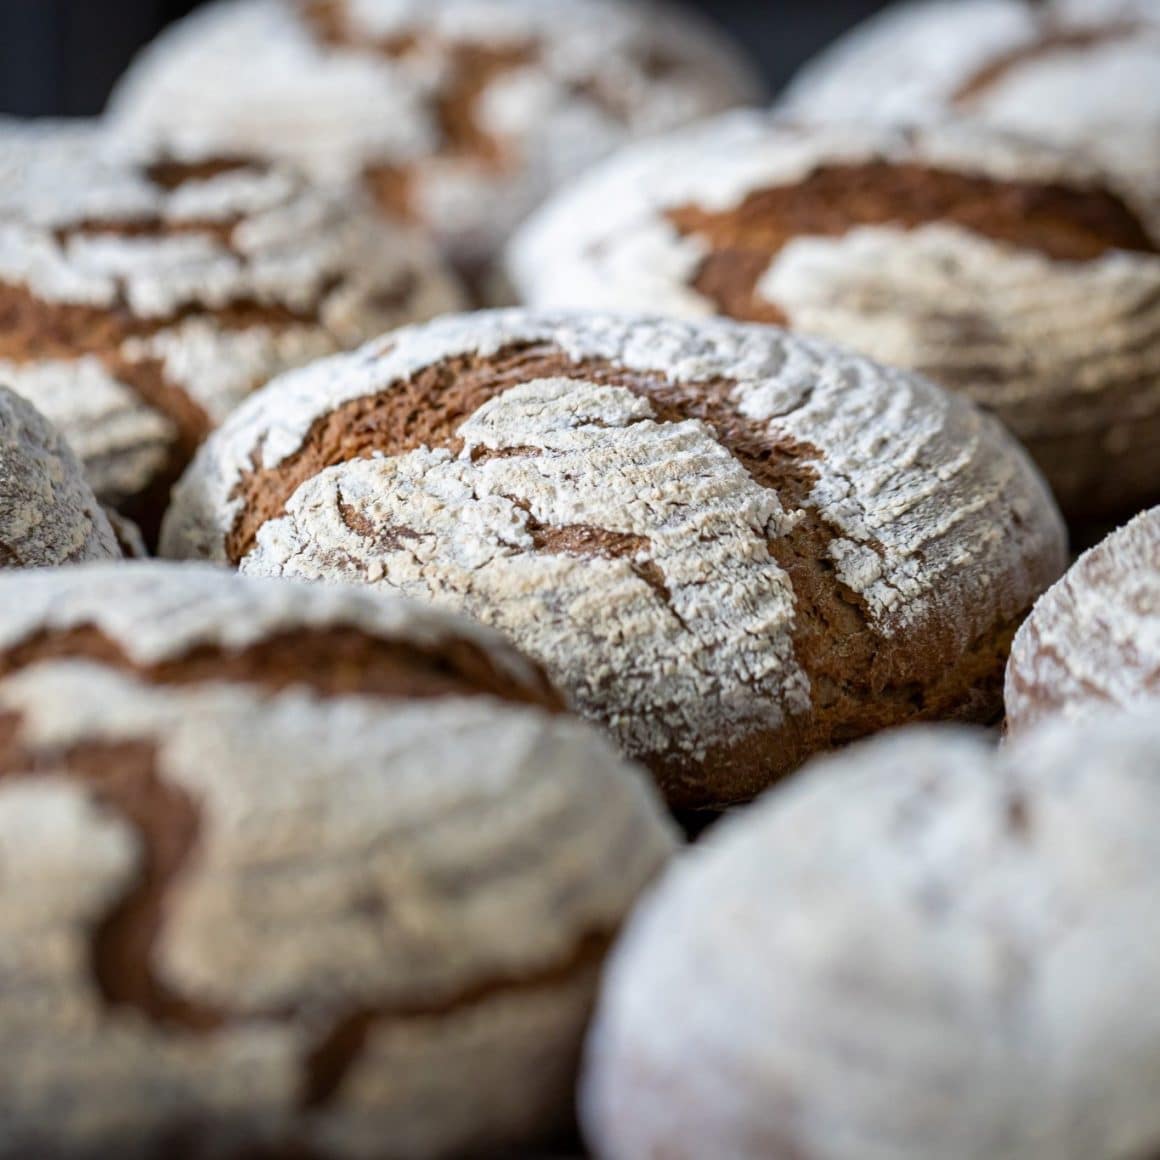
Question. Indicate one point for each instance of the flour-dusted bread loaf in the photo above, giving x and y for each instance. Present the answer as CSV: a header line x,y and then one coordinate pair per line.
x,y
48,513
458,115
1092,643
139,304
291,871
915,949
1011,271
729,546
1080,73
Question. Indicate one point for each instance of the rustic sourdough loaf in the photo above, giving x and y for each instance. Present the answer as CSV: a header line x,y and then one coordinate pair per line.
x,y
729,546
291,871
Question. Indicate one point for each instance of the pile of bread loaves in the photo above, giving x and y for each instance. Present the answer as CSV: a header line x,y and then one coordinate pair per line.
x,y
352,826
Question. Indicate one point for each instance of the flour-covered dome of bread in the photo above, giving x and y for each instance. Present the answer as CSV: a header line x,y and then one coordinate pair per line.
x,y
730,546
456,114
142,302
1011,271
48,513
916,948
1076,72
1092,643
251,911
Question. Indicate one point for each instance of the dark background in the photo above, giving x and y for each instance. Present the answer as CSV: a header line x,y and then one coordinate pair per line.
x,y
62,56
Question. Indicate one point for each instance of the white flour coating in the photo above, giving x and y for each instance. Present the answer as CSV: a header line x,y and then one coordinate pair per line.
x,y
917,948
331,273
1062,350
157,612
253,76
937,516
1092,642
400,857
48,513
910,63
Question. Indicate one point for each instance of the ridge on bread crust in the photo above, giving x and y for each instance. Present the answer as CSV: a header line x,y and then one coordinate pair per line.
x,y
739,525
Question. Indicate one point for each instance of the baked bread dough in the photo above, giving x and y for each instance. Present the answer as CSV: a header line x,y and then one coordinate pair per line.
x,y
293,871
729,546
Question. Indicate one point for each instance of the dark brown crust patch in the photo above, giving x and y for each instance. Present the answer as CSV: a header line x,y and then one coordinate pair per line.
x,y
171,174
331,662
1053,42
1065,224
862,681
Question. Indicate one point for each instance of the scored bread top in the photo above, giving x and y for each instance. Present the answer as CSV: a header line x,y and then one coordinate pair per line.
x,y
1092,641
678,520
48,513
145,300
458,114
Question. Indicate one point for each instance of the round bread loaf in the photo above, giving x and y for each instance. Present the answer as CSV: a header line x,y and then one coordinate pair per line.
x,y
1092,642
48,513
729,546
1076,72
1009,271
456,114
916,948
141,303
249,912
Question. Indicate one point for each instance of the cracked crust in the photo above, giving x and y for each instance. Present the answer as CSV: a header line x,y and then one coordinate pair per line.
x,y
1009,271
917,948
140,303
261,915
1092,643
730,547
1079,73
458,114
48,513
